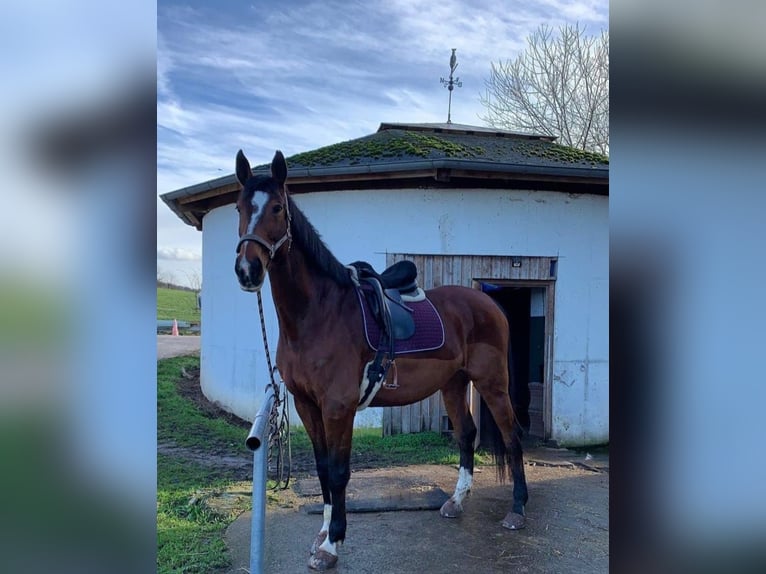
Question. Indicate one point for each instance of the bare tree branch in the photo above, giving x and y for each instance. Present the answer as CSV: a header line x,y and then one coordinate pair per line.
x,y
558,86
194,279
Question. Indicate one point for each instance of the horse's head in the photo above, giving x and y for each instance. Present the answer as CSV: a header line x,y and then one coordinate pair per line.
x,y
264,220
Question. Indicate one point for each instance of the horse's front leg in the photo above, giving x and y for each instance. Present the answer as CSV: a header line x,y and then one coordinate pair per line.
x,y
338,434
311,417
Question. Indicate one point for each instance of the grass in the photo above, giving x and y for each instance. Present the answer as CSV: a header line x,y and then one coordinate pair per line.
x,y
419,448
370,446
177,304
189,532
180,421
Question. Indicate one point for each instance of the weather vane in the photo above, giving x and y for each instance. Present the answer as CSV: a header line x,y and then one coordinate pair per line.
x,y
450,85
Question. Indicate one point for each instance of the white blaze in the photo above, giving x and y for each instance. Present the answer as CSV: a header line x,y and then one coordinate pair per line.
x,y
260,198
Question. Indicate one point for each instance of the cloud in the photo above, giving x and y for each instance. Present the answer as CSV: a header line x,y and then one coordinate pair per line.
x,y
177,254
313,73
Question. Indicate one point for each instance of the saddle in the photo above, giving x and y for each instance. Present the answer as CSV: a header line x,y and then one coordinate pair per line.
x,y
384,296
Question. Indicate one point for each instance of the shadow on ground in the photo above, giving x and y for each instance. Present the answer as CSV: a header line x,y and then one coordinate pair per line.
x,y
567,527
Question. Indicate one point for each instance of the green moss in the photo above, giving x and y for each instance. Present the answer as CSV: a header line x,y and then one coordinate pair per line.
x,y
558,152
392,144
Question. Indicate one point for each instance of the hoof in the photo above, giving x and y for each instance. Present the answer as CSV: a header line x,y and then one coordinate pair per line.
x,y
322,560
450,509
318,542
513,521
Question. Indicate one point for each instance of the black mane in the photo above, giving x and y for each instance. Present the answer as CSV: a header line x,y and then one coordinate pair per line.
x,y
318,255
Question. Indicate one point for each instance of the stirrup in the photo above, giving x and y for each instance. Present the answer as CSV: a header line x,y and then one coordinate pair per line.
x,y
393,385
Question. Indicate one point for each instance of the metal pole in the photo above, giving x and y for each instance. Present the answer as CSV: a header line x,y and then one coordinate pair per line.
x,y
258,442
451,83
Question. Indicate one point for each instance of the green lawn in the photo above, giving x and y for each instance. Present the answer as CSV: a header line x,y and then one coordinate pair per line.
x,y
189,533
177,304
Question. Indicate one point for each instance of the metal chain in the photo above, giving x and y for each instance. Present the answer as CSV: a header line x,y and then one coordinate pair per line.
x,y
279,421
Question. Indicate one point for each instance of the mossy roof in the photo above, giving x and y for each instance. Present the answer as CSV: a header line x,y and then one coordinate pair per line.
x,y
391,145
419,154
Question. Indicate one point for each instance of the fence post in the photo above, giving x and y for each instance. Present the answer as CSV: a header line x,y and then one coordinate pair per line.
x,y
258,442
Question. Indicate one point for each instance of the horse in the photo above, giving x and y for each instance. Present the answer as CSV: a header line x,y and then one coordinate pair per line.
x,y
322,354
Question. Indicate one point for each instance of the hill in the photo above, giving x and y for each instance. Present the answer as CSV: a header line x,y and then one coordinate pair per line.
x,y
180,304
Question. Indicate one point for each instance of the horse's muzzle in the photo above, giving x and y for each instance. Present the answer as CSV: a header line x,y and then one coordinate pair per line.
x,y
249,273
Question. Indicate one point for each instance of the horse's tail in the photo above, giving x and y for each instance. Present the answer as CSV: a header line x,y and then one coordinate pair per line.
x,y
500,451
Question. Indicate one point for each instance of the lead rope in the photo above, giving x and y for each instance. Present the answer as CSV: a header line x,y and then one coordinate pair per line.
x,y
279,421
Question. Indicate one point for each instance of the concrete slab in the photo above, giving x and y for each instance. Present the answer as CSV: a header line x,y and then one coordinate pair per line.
x,y
176,346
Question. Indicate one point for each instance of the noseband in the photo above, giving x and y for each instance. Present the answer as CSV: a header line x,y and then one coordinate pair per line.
x,y
272,248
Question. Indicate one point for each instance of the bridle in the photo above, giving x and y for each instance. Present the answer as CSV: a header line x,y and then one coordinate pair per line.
x,y
272,248
279,416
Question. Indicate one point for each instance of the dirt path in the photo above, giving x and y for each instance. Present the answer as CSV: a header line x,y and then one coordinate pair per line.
x,y
567,528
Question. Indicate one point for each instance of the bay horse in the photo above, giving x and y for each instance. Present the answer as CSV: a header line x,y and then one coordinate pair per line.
x,y
322,352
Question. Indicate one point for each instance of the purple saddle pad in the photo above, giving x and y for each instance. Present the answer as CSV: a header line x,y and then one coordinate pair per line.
x,y
429,329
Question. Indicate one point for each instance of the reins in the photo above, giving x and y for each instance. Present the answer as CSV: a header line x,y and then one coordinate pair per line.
x,y
279,417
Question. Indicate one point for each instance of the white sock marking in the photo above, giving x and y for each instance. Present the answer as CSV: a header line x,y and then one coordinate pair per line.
x,y
464,482
327,546
327,515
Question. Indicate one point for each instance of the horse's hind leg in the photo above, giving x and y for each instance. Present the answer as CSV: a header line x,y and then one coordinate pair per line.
x,y
454,394
515,518
508,450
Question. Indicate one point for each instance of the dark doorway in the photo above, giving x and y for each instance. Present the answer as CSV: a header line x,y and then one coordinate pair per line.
x,y
524,307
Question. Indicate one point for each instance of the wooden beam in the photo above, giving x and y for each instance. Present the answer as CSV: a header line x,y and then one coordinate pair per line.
x,y
526,177
207,194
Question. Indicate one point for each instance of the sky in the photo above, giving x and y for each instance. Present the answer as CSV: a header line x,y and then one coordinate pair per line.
x,y
301,74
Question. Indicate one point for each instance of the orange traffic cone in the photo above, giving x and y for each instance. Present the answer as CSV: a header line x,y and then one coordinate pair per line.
x,y
174,332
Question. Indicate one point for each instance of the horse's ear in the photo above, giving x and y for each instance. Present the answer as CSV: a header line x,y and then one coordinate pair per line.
x,y
243,169
279,167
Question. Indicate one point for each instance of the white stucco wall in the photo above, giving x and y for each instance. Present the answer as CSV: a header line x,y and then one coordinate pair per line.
x,y
445,222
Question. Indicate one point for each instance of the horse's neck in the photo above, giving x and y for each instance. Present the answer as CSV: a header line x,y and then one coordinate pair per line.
x,y
295,289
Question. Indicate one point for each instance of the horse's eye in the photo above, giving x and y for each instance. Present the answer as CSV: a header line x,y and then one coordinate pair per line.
x,y
277,208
